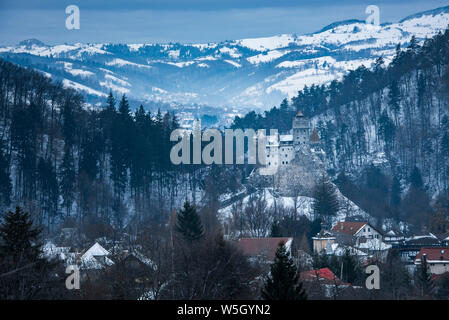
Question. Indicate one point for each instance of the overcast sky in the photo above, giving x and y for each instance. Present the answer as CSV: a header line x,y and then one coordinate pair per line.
x,y
139,21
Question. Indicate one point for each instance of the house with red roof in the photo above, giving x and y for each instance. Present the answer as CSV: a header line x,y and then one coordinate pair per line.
x,y
352,232
263,249
323,282
323,275
437,259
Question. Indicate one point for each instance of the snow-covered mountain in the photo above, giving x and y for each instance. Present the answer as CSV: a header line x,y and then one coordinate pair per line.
x,y
247,73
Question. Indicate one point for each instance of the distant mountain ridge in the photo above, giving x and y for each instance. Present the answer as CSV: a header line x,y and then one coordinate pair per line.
x,y
245,74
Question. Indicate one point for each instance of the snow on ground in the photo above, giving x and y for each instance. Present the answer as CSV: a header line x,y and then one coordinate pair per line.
x,y
118,80
120,63
267,57
235,64
77,86
81,73
292,84
114,87
304,206
135,46
267,43
181,64
232,52
50,250
319,62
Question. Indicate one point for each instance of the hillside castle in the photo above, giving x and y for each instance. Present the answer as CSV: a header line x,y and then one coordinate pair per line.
x,y
283,149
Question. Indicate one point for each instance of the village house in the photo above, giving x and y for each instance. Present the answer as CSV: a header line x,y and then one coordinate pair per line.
x,y
263,249
323,283
323,276
322,240
437,259
359,238
355,232
394,237
410,247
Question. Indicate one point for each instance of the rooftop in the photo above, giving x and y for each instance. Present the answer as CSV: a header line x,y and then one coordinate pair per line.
x,y
348,228
433,255
262,246
324,275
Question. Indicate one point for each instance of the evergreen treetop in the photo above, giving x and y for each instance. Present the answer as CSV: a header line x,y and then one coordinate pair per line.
x,y
19,239
283,281
189,223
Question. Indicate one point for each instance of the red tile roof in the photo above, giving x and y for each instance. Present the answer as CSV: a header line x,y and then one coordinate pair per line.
x,y
434,254
261,246
348,228
324,275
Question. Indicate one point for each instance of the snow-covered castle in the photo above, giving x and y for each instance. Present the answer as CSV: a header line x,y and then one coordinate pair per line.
x,y
282,149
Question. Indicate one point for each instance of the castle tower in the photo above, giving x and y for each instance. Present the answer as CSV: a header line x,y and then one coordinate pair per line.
x,y
301,132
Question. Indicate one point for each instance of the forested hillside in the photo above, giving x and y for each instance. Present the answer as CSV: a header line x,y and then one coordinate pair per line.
x,y
384,130
65,163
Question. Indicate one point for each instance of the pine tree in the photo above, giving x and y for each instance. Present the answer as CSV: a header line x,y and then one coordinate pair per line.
x,y
24,273
19,239
189,223
413,45
283,281
325,202
110,102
